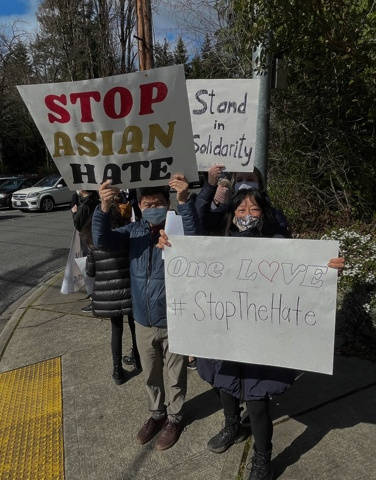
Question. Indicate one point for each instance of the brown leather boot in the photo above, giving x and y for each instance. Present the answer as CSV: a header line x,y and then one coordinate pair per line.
x,y
150,428
169,435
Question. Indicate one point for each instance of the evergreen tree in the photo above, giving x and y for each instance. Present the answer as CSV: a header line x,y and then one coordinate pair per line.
x,y
211,61
180,52
324,122
19,137
163,57
195,67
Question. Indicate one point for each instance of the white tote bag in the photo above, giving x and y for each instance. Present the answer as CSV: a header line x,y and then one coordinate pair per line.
x,y
73,279
89,281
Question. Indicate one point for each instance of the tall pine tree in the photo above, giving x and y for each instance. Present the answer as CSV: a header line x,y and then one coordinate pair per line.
x,y
163,57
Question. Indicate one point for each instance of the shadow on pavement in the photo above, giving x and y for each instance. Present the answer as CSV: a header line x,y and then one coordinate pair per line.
x,y
345,413
201,406
322,403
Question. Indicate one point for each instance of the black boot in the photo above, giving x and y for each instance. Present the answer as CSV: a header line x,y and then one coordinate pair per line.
x,y
119,375
232,433
261,466
132,359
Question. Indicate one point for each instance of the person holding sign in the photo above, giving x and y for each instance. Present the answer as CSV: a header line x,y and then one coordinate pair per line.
x,y
113,299
250,215
149,301
214,200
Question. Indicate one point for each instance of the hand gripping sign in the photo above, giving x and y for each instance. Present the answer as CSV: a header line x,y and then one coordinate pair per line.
x,y
134,129
252,300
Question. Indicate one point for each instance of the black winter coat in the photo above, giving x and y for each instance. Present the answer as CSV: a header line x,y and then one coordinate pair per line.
x,y
146,263
112,287
85,209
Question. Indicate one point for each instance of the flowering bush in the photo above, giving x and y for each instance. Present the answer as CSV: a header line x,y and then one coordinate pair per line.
x,y
357,291
360,253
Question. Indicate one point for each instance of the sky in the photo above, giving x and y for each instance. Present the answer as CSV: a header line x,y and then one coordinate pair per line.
x,y
169,20
22,11
17,7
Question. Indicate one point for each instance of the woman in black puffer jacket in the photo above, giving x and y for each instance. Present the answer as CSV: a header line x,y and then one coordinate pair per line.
x,y
111,297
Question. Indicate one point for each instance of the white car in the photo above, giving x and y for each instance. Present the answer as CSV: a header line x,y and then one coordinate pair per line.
x,y
49,192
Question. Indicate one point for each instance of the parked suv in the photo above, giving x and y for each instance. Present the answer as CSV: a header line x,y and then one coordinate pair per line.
x,y
49,192
11,185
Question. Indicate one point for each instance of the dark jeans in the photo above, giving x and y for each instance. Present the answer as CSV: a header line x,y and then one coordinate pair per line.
x,y
259,416
117,338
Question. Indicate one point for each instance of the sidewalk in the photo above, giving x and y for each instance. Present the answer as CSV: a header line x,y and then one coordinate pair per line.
x,y
325,426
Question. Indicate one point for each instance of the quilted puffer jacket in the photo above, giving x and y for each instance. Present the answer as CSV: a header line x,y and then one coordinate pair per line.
x,y
112,291
146,264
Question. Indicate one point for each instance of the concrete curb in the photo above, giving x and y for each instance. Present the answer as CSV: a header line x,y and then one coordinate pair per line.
x,y
20,311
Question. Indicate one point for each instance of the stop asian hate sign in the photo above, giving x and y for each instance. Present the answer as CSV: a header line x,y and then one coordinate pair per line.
x,y
133,129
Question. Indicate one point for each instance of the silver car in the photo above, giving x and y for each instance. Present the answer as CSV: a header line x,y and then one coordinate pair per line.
x,y
45,195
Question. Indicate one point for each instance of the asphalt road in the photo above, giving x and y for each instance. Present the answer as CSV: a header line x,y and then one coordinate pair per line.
x,y
32,246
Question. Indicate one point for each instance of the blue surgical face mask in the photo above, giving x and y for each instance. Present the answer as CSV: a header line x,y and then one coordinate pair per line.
x,y
245,185
155,216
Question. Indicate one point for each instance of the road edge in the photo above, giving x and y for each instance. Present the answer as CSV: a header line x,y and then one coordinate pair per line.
x,y
16,317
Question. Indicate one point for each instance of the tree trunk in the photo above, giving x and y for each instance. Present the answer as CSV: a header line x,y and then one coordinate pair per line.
x,y
140,34
123,42
148,35
144,34
1,156
131,11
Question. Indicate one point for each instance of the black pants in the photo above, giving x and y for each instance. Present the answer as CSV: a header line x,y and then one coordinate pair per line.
x,y
132,329
259,415
117,338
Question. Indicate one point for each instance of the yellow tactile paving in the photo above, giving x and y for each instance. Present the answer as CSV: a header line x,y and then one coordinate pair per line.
x,y
31,423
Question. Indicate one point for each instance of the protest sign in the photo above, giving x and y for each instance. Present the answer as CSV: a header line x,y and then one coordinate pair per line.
x,y
134,129
173,225
254,300
224,114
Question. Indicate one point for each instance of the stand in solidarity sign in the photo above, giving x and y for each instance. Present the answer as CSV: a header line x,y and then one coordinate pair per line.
x,y
252,300
134,129
224,114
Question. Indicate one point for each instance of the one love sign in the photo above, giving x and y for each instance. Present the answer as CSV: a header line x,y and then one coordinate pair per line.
x,y
134,129
256,300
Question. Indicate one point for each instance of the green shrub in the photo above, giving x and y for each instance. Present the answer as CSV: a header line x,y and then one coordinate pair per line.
x,y
357,292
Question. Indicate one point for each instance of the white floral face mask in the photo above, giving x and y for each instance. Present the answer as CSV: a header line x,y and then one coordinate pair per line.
x,y
249,221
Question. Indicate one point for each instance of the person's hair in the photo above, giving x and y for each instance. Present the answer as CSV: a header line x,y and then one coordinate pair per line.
x,y
259,197
85,234
92,197
116,218
151,191
91,193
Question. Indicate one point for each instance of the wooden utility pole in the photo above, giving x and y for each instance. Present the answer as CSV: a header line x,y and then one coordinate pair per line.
x,y
144,34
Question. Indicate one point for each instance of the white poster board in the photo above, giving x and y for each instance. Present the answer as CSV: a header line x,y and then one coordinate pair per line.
x,y
173,225
224,114
134,129
252,300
